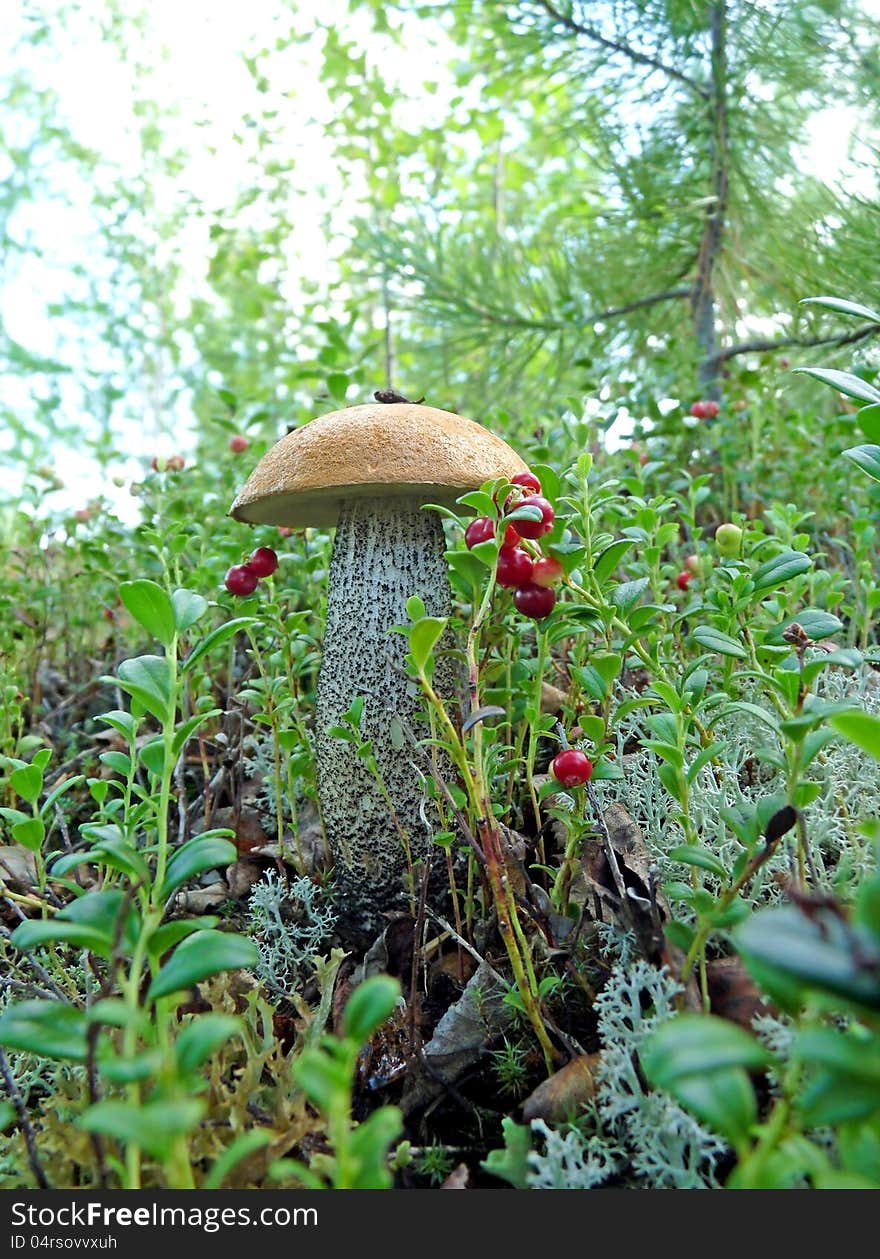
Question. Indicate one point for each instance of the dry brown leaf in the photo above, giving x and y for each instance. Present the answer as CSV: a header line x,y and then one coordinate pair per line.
x,y
241,877
17,864
559,1098
200,899
458,1179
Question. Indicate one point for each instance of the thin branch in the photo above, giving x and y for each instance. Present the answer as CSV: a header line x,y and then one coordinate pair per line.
x,y
633,54
24,1119
614,312
759,345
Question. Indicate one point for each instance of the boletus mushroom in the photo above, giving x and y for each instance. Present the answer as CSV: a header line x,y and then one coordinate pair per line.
x,y
369,470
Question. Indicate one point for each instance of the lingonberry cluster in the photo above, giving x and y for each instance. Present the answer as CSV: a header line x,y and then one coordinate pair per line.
x,y
242,579
530,575
706,409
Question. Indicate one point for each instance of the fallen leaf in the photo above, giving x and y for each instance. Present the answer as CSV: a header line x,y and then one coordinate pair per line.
x,y
458,1179
202,898
559,1098
19,866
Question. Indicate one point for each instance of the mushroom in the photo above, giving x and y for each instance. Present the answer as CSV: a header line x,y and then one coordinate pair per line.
x,y
369,470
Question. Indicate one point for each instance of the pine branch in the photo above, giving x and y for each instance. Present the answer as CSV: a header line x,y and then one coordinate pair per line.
x,y
759,345
640,58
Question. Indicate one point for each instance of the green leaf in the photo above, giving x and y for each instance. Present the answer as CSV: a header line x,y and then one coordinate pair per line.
x,y
337,383
779,569
217,638
819,953
171,933
27,782
867,458
692,1044
423,637
511,1163
30,833
626,593
368,1006
200,955
842,1052
713,639
152,1126
861,729
244,1145
203,1037
844,382
194,857
694,855
843,306
147,679
723,1100
187,607
868,420
815,623
607,562
37,931
47,1028
151,607
701,1061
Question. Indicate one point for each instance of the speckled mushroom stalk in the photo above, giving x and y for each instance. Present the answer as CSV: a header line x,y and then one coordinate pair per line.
x,y
384,552
368,470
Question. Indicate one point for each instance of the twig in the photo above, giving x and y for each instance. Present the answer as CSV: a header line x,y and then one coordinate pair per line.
x,y
24,1119
468,948
633,54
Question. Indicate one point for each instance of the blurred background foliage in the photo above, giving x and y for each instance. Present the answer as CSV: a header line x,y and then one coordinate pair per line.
x,y
222,219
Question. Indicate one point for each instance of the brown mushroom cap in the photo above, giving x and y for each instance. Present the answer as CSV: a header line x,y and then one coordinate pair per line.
x,y
378,450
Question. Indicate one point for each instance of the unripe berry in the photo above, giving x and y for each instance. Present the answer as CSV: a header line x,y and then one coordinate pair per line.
x,y
547,571
571,768
728,540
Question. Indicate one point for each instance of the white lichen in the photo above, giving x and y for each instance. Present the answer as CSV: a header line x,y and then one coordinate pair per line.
x,y
289,922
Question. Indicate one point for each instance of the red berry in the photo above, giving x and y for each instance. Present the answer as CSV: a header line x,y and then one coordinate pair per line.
x,y
535,528
483,530
238,443
705,409
572,767
514,567
285,531
528,480
241,580
547,571
480,530
535,601
684,579
263,561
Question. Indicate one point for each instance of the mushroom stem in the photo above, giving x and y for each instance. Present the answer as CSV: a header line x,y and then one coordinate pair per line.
x,y
377,823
